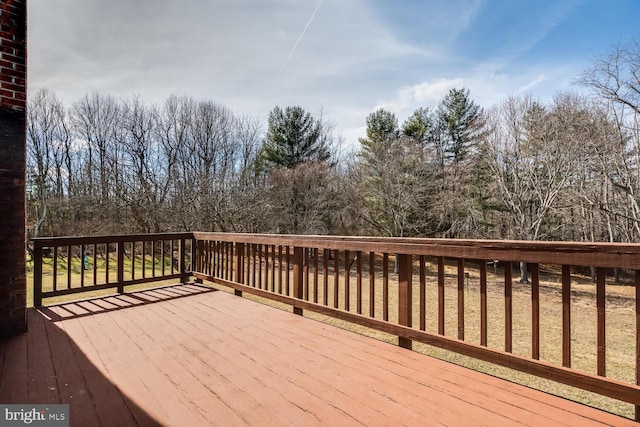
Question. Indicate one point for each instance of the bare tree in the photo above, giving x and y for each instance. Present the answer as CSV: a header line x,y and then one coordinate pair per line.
x,y
144,168
615,81
95,123
48,153
533,152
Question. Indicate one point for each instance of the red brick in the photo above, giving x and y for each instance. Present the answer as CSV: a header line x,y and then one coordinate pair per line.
x,y
9,46
11,72
10,86
7,49
14,59
8,33
14,103
6,65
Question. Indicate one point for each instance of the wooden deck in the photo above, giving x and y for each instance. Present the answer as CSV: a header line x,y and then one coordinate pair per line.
x,y
190,356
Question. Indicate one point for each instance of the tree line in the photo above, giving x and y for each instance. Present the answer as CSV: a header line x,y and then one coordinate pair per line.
x,y
567,169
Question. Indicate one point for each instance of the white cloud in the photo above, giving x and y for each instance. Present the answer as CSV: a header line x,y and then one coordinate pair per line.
x,y
410,98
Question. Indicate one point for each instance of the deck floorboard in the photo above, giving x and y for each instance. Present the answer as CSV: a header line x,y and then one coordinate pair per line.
x,y
187,355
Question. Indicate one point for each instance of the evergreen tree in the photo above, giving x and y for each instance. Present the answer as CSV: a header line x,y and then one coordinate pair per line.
x,y
418,125
423,128
294,137
461,123
382,128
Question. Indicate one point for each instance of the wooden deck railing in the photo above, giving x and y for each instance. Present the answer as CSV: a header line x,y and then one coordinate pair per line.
x,y
458,295
352,278
85,264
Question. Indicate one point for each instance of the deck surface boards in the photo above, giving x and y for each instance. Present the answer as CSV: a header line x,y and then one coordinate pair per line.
x,y
184,355
14,383
272,365
100,383
132,369
202,372
43,384
276,360
335,369
72,384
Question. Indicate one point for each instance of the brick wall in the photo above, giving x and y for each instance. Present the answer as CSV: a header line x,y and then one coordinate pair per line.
x,y
13,72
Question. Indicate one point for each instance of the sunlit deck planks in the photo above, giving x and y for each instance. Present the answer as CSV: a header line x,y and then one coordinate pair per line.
x,y
185,355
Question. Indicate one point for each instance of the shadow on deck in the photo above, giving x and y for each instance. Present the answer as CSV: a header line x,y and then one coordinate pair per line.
x,y
189,355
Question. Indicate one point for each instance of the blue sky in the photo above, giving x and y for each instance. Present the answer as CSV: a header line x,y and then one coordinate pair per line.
x,y
339,58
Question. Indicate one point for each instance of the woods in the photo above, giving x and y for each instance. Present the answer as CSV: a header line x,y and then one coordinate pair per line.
x,y
567,169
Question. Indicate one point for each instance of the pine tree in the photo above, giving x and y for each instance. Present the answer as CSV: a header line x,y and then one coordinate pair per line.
x,y
461,123
294,137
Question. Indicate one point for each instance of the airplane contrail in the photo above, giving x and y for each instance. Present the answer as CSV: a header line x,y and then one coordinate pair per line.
x,y
295,46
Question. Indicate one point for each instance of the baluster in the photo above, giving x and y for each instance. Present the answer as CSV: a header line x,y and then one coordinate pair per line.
x,y
336,283
423,294
441,295
280,269
461,299
508,310
325,278
298,260
347,281
385,287
359,281
315,275
372,284
305,272
601,334
483,302
55,268
82,266
405,303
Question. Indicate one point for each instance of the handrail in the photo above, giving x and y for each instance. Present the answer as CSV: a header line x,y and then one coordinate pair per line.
x,y
589,254
95,263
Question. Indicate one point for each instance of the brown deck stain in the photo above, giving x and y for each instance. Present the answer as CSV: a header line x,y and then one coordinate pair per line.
x,y
186,355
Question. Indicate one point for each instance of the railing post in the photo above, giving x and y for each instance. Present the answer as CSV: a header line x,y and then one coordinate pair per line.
x,y
404,295
200,257
183,259
239,264
298,264
120,267
37,274
197,249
